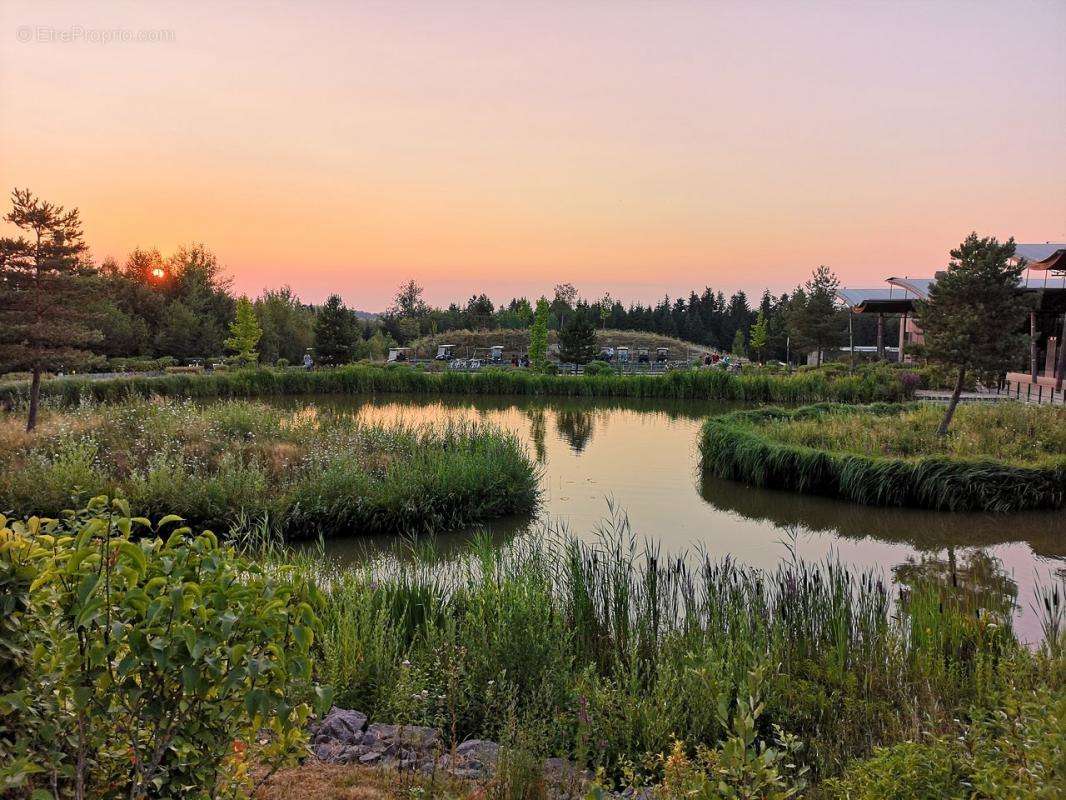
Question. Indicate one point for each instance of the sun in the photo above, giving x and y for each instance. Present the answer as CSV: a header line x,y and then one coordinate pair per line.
x,y
158,273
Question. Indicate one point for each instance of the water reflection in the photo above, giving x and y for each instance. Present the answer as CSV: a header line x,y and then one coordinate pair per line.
x,y
643,455
574,425
1044,531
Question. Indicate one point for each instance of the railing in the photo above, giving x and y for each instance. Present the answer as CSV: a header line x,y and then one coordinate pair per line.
x,y
1037,393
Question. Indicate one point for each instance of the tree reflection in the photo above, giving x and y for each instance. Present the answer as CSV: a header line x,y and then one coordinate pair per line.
x,y
575,426
538,427
977,580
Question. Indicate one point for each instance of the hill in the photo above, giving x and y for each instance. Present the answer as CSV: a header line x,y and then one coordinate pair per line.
x,y
516,342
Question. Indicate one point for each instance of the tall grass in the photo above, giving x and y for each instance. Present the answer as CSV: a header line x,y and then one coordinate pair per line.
x,y
710,384
769,447
612,650
311,472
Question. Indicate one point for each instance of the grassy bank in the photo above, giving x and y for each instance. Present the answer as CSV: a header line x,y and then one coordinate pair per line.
x,y
309,471
997,458
651,669
867,385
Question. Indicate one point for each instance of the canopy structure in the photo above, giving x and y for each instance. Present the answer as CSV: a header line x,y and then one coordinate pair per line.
x,y
1047,256
896,298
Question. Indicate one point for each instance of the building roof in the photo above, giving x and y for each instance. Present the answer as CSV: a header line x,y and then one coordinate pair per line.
x,y
1038,253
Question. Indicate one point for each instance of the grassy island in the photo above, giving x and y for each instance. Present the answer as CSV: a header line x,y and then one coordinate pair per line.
x,y
309,471
1002,457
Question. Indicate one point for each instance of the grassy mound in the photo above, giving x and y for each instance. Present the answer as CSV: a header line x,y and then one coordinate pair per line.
x,y
996,458
311,472
866,385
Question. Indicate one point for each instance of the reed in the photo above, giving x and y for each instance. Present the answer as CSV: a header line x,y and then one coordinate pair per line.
x,y
867,385
613,650
834,450
312,472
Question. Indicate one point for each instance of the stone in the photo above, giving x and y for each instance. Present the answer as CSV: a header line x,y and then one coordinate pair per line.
x,y
342,725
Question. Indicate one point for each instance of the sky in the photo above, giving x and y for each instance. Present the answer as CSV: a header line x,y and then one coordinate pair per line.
x,y
640,148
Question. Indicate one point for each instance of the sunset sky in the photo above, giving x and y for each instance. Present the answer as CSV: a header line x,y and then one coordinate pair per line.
x,y
644,148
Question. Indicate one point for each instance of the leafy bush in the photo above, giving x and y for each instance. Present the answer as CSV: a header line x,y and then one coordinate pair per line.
x,y
598,368
281,363
144,665
1016,748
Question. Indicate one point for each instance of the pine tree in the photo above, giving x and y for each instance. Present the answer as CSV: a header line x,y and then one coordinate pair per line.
x,y
814,319
244,333
738,344
577,340
972,318
538,336
335,332
45,292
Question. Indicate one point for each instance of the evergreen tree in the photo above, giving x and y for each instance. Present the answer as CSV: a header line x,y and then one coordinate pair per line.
x,y
244,333
738,344
288,325
538,336
972,318
814,319
335,332
577,340
45,292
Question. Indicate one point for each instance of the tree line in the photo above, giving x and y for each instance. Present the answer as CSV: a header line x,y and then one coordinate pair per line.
x,y
59,311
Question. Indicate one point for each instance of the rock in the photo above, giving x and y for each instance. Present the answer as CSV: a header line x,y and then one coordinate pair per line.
x,y
370,758
341,725
328,751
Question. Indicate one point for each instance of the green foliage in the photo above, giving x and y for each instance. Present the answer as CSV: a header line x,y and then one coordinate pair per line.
x,y
868,384
614,653
598,367
287,325
754,446
538,336
1014,748
813,317
759,335
972,318
45,288
156,666
577,340
335,333
310,473
738,348
244,333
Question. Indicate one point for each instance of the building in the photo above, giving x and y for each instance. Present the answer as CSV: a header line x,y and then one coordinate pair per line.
x,y
1044,279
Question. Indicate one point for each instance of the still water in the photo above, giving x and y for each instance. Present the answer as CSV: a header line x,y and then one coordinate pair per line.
x,y
642,459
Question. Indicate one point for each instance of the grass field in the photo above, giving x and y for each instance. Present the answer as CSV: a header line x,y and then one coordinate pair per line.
x,y
1003,457
310,471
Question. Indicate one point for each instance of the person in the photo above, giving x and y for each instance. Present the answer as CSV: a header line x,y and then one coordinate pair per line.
x,y
308,361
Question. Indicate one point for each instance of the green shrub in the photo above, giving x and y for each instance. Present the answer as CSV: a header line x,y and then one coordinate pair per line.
x,y
281,363
1014,749
598,368
155,667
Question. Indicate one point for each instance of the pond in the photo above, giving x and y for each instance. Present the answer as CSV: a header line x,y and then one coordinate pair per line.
x,y
641,458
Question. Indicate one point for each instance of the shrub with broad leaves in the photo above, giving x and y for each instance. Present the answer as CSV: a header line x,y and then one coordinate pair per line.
x,y
146,661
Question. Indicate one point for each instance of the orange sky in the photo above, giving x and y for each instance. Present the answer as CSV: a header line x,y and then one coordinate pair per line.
x,y
643,148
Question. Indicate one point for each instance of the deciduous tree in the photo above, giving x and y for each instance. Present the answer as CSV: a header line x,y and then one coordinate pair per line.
x,y
244,333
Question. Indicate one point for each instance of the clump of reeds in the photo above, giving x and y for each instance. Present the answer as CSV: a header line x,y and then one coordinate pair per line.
x,y
311,472
838,450
614,649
